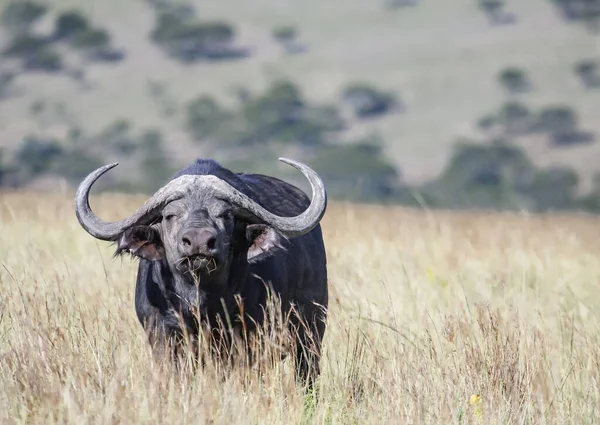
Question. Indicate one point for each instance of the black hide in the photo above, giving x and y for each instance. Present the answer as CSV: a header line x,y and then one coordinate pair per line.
x,y
297,273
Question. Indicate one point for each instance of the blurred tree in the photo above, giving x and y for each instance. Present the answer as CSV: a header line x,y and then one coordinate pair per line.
x,y
553,189
584,11
287,37
74,164
557,119
70,24
117,137
591,201
24,45
6,83
278,115
205,118
514,80
36,156
285,34
94,43
357,172
396,4
482,176
515,118
587,71
367,101
19,16
2,167
35,53
188,41
154,163
496,13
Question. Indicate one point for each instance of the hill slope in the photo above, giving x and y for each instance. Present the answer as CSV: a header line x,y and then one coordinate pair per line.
x,y
441,58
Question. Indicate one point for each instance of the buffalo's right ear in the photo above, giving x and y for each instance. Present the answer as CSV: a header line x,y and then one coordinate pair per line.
x,y
141,241
263,241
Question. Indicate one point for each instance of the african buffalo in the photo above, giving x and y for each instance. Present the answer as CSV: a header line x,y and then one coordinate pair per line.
x,y
211,237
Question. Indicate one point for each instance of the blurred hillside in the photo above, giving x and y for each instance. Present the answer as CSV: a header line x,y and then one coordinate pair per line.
x,y
469,103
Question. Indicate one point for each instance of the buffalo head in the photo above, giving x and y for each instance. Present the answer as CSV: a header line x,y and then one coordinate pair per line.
x,y
194,222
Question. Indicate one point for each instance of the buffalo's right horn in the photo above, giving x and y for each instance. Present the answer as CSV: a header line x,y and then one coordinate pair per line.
x,y
179,187
110,231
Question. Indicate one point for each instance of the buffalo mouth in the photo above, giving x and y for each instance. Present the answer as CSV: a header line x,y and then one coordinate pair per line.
x,y
198,264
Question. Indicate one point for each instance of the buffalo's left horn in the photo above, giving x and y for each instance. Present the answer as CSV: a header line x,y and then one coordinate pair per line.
x,y
179,187
110,231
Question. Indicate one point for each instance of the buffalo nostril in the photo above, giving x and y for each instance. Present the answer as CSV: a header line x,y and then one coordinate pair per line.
x,y
211,242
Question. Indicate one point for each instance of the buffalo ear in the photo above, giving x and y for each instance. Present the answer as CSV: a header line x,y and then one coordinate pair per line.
x,y
263,240
141,241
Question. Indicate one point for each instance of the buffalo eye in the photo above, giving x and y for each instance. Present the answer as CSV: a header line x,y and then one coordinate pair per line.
x,y
226,215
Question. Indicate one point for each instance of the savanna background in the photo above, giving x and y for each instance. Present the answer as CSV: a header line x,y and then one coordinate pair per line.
x,y
457,141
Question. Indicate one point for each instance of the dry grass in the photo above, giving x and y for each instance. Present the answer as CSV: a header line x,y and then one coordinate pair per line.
x,y
425,311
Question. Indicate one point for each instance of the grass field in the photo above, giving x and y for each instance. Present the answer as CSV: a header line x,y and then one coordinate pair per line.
x,y
441,58
426,311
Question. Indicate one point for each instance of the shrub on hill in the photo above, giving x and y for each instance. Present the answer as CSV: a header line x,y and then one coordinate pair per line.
x,y
495,10
514,80
278,115
18,16
585,11
34,52
501,176
69,24
514,119
154,162
367,101
287,37
357,172
587,71
39,156
188,40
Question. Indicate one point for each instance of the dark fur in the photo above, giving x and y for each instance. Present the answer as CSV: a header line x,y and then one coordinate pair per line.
x,y
297,272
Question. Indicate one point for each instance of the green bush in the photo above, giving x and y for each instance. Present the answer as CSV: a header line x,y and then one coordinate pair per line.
x,y
557,119
482,176
284,34
19,16
515,118
553,189
75,164
514,80
205,118
188,41
117,137
367,101
35,53
36,156
356,172
24,45
587,71
155,165
45,60
278,115
91,39
69,24
6,83
584,11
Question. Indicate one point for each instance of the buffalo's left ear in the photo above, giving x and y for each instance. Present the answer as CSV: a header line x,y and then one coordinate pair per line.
x,y
263,241
141,241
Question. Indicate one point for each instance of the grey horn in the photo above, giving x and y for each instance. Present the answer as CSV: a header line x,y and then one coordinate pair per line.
x,y
177,188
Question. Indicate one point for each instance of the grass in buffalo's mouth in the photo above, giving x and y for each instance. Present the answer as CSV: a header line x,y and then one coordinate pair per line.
x,y
196,264
447,318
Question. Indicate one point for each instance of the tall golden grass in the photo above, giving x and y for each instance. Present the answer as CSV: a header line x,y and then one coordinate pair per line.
x,y
427,310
